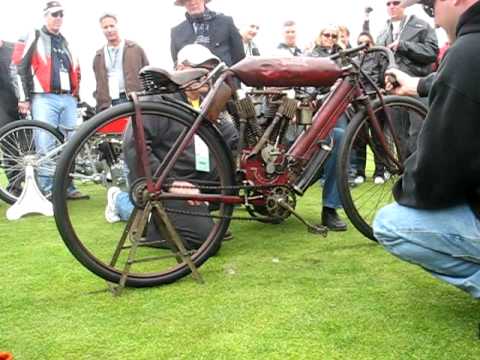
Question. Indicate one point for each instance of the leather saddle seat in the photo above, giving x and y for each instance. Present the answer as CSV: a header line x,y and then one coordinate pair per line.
x,y
287,72
163,78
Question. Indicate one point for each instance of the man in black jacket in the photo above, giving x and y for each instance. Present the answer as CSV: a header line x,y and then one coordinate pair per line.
x,y
435,222
415,46
160,137
215,31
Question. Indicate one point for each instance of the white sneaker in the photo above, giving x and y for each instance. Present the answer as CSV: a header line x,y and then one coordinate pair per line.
x,y
379,180
359,180
111,214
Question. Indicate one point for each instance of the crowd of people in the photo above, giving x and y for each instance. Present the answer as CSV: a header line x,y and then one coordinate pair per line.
x,y
45,78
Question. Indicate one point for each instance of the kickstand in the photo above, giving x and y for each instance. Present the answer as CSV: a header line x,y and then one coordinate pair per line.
x,y
134,231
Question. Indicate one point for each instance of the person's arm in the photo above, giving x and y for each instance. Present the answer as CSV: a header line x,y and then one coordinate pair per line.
x,y
173,48
236,44
21,61
425,84
420,51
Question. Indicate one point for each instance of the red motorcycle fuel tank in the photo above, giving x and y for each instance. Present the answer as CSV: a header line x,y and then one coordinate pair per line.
x,y
287,72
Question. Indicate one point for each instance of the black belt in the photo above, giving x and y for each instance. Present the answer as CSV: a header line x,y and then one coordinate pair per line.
x,y
61,92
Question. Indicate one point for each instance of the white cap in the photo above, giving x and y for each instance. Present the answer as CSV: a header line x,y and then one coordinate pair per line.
x,y
407,3
52,7
196,55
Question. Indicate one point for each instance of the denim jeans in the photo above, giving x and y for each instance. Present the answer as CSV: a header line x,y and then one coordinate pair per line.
x,y
444,242
59,111
330,195
123,205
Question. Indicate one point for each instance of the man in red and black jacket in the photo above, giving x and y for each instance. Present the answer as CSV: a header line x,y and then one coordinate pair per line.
x,y
48,78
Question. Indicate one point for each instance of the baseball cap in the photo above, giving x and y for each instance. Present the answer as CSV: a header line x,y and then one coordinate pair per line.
x,y
196,55
52,7
182,2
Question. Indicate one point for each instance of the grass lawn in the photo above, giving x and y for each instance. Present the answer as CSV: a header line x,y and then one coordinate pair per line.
x,y
274,292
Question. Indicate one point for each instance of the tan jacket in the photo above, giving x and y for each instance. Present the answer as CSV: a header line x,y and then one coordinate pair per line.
x,y
134,59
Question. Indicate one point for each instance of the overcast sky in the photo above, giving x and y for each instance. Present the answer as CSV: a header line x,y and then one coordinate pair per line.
x,y
149,23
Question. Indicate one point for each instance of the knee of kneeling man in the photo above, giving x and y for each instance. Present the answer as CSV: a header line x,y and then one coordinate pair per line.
x,y
384,227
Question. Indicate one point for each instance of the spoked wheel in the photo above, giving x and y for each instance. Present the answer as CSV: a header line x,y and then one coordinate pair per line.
x,y
199,225
362,155
22,143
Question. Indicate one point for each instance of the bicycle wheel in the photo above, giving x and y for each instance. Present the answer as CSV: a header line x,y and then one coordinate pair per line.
x,y
363,154
18,148
93,241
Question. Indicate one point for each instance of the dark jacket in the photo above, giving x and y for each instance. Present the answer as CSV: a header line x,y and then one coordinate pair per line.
x,y
288,51
418,47
445,169
160,137
8,99
225,40
134,59
251,48
322,51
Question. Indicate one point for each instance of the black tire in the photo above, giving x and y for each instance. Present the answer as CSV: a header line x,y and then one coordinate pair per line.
x,y
17,146
93,244
362,202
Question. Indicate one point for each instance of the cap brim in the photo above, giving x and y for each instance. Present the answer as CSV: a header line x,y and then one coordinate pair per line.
x,y
180,2
407,3
54,10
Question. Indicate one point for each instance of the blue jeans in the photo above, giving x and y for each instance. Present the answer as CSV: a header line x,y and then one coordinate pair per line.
x,y
444,242
330,195
59,111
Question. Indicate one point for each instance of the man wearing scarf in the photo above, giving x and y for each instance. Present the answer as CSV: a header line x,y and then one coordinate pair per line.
x,y
213,30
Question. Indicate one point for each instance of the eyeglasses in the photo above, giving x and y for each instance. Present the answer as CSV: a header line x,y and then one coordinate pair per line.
x,y
332,36
394,3
57,14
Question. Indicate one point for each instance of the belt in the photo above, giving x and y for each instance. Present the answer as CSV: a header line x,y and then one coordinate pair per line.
x,y
61,92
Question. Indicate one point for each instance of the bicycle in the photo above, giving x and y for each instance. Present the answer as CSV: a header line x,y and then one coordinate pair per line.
x,y
263,175
99,162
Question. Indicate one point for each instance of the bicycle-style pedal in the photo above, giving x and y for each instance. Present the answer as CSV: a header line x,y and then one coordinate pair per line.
x,y
317,229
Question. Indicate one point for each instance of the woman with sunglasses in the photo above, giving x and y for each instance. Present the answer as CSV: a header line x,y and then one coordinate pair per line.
x,y
326,43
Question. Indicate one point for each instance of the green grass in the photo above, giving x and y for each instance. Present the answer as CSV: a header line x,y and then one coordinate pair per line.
x,y
274,292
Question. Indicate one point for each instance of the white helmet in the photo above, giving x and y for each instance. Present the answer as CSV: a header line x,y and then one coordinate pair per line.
x,y
196,55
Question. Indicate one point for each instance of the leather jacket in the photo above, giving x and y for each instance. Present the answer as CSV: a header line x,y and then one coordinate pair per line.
x,y
418,45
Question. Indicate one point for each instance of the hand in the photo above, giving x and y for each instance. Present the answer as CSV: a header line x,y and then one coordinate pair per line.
x,y
394,45
23,107
186,188
399,83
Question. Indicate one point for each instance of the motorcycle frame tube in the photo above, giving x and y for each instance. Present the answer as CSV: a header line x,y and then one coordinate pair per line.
x,y
324,119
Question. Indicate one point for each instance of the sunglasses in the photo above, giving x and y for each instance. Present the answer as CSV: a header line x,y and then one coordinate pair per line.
x,y
330,36
57,14
394,3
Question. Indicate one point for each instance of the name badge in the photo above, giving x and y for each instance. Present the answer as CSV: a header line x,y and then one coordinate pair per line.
x,y
65,80
113,86
202,158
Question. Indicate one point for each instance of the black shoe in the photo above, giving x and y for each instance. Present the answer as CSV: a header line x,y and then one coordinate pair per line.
x,y
332,221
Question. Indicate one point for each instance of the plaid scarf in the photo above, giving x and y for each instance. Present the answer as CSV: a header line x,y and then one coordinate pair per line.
x,y
201,26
